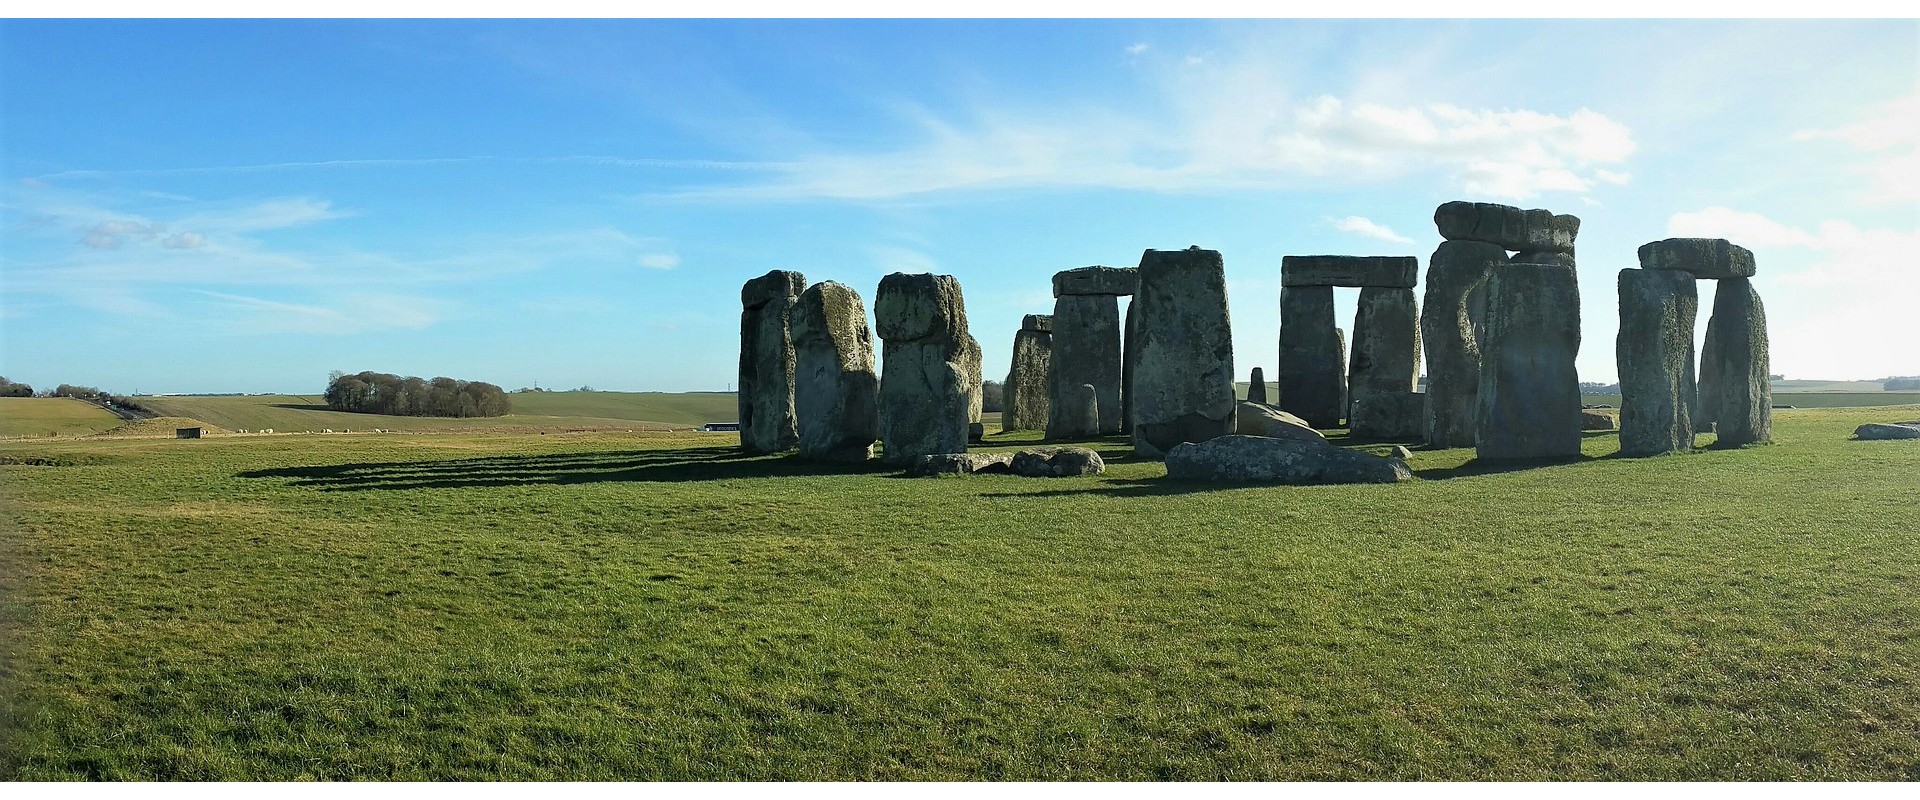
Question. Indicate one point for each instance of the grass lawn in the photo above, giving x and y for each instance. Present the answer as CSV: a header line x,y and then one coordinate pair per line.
x,y
532,411
614,606
52,416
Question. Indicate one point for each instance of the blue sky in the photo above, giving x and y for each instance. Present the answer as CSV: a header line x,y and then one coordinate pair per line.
x,y
200,206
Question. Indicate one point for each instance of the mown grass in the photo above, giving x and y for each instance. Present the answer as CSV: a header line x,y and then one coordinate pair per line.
x,y
615,606
52,416
532,411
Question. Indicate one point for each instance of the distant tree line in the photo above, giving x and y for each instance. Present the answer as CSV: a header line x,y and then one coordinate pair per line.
x,y
381,393
10,389
992,396
1901,384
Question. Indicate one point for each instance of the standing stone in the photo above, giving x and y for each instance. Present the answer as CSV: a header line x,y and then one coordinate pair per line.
x,y
1740,400
1529,389
1654,353
1127,363
1184,373
1456,276
1077,414
1386,365
970,358
1026,390
1311,375
927,382
767,423
836,395
1257,387
1346,397
1087,350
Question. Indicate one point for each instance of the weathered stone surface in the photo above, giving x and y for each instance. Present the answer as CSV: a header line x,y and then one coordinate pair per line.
x,y
1597,421
934,464
1086,350
1346,396
1075,413
1127,357
1058,462
1509,227
1707,259
1026,390
1887,430
1386,362
1112,281
1299,462
1257,387
1398,272
1542,257
928,382
976,432
1255,419
1183,377
1529,390
1037,322
1739,398
1654,354
1311,376
836,394
971,359
1401,453
1382,414
1449,332
765,397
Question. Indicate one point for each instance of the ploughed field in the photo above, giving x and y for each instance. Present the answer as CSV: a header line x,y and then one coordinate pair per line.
x,y
590,606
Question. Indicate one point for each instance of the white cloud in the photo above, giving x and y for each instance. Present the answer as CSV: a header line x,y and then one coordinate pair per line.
x,y
1368,228
1136,48
113,233
347,314
891,259
1744,228
184,241
1891,131
659,261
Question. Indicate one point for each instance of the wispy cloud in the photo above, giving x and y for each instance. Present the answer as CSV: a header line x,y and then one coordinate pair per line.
x,y
1891,131
888,258
1137,48
659,260
347,314
1365,227
374,163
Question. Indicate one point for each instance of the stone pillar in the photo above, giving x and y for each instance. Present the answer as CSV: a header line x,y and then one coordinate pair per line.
x,y
925,397
1529,389
1127,364
1257,387
1739,400
1311,376
767,423
1026,392
1386,366
1184,371
836,395
1654,353
971,358
1086,350
1087,346
1449,322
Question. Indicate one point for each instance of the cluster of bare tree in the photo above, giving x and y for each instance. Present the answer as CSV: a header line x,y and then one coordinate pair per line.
x,y
10,389
381,393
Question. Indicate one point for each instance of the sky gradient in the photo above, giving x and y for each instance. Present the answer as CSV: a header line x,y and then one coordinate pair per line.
x,y
243,206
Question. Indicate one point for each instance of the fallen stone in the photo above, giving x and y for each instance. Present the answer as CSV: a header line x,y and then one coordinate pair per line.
x,y
1058,462
1384,414
836,394
1529,388
1257,387
928,382
1739,399
1183,375
1027,389
1705,259
1397,272
1654,356
1449,332
1311,376
1086,350
934,464
1400,452
1596,421
1297,462
1109,281
1512,228
1255,419
1887,430
765,396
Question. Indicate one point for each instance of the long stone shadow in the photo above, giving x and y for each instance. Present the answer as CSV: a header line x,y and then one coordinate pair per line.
x,y
1126,487
659,466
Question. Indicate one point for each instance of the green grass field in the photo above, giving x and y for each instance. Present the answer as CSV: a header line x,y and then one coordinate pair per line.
x,y
532,411
52,416
615,606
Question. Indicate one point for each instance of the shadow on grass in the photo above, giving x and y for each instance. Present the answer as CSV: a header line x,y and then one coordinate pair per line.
x,y
660,466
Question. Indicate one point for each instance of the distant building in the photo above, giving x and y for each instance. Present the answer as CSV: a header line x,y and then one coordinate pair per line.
x,y
187,433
